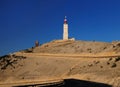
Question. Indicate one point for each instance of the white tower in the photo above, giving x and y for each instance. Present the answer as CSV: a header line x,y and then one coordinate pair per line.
x,y
65,29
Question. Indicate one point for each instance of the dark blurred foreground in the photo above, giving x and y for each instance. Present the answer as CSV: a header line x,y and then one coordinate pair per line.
x,y
72,83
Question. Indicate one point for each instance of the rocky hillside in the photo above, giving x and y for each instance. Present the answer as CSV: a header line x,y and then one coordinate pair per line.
x,y
76,47
32,64
33,67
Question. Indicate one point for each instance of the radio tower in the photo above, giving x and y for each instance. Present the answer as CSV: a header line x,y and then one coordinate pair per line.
x,y
65,29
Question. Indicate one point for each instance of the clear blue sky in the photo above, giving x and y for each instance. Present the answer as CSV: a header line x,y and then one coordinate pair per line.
x,y
22,22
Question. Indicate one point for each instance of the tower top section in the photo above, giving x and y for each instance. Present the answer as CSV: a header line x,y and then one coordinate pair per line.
x,y
65,20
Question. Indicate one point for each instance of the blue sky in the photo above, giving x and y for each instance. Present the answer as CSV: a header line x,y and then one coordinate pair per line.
x,y
22,22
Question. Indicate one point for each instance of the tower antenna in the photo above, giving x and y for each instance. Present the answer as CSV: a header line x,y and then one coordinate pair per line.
x,y
65,17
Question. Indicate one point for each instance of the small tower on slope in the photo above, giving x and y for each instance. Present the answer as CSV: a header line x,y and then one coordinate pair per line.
x,y
36,43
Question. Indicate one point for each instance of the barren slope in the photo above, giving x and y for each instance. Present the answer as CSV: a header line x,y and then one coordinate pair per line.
x,y
104,70
43,64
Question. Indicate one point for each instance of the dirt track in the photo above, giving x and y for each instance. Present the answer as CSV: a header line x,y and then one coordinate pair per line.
x,y
32,83
104,55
